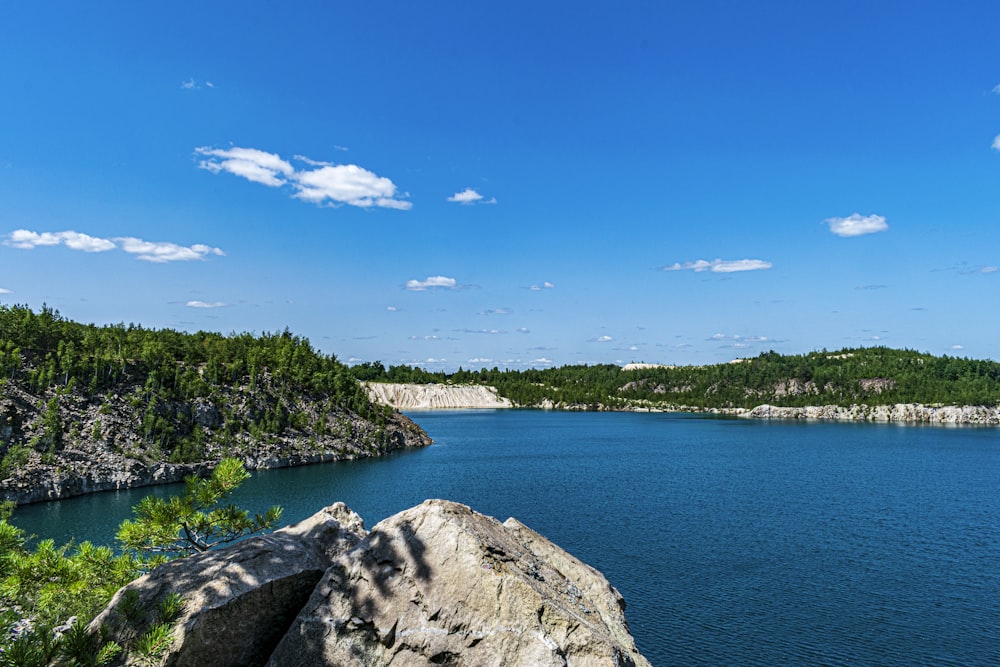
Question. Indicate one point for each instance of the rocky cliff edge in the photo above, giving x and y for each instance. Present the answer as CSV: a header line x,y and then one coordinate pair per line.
x,y
438,584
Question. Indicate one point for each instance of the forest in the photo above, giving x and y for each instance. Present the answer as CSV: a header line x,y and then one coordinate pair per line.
x,y
167,396
868,375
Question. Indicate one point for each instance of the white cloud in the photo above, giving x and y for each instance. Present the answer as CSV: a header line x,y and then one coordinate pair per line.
x,y
523,330
250,163
324,184
541,361
497,311
604,339
857,225
347,184
431,281
996,89
5,291
958,347
470,196
996,142
478,360
26,240
467,196
391,309
77,241
164,251
539,288
202,304
720,266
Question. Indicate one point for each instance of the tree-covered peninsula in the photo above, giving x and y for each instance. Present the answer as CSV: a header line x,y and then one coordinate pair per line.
x,y
86,408
872,376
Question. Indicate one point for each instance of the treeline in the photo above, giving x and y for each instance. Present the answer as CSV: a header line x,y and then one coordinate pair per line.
x,y
874,375
164,373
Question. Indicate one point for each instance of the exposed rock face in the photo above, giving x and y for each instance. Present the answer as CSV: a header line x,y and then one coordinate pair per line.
x,y
435,396
104,447
436,584
900,412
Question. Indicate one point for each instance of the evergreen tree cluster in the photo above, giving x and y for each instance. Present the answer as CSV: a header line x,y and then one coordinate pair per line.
x,y
872,375
257,385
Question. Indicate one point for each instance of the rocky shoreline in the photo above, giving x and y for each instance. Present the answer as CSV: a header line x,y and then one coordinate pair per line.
x,y
914,413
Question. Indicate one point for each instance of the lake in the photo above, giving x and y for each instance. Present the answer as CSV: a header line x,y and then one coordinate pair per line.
x,y
733,541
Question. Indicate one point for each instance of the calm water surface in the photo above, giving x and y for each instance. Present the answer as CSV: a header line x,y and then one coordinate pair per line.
x,y
734,542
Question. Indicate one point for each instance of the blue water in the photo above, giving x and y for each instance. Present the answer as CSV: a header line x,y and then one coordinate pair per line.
x,y
734,542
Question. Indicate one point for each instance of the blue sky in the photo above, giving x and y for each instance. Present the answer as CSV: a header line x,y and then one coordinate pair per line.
x,y
515,184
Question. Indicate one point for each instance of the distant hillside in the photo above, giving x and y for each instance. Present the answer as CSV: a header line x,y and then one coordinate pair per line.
x,y
871,376
85,408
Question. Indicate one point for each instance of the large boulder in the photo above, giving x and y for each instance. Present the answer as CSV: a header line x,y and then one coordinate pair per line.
x,y
238,601
438,584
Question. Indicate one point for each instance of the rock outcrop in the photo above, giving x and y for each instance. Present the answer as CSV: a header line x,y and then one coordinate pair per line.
x,y
900,412
435,584
104,446
435,396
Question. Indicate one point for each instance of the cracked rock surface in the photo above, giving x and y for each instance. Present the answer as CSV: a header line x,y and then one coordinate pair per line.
x,y
437,584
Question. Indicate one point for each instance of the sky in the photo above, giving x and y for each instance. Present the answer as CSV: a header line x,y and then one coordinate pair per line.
x,y
513,185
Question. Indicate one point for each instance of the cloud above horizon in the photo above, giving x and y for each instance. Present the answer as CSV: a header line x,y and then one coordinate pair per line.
x,y
5,291
320,183
996,142
202,304
720,266
149,251
470,196
857,225
431,282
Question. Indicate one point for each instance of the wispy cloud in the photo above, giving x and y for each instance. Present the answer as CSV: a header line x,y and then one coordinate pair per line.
x,y
391,309
431,282
491,332
5,291
871,287
149,251
958,347
321,183
857,225
163,251
470,196
191,84
996,142
603,339
981,269
720,266
202,304
497,311
539,288
738,342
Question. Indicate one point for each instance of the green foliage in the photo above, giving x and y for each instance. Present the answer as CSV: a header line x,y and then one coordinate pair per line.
x,y
161,374
42,588
154,643
194,521
875,376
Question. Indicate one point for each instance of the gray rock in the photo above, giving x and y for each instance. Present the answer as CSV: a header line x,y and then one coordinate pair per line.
x,y
438,584
441,584
239,601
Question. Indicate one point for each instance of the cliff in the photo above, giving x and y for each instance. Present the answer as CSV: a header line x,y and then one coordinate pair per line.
x,y
73,442
436,584
435,396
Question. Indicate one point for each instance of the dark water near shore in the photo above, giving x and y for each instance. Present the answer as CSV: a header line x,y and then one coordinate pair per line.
x,y
734,542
